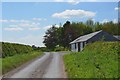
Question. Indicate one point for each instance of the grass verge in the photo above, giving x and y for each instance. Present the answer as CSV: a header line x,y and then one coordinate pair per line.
x,y
12,62
0,66
97,60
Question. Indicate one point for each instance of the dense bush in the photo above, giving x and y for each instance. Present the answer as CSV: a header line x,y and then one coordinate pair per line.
x,y
0,49
44,49
60,48
10,49
97,60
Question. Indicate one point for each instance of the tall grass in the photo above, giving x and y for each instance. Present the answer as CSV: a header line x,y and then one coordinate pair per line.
x,y
12,62
0,66
97,60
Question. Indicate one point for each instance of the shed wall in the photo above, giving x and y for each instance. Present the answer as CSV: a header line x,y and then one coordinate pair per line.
x,y
74,47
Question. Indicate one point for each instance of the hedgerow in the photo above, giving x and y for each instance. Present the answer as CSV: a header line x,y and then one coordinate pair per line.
x,y
10,49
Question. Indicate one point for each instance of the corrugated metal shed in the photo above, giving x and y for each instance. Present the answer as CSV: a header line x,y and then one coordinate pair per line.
x,y
85,37
118,37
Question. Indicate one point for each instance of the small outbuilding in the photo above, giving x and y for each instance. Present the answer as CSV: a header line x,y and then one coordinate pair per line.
x,y
79,43
118,37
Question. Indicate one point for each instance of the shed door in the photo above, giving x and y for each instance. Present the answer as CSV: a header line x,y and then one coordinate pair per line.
x,y
78,46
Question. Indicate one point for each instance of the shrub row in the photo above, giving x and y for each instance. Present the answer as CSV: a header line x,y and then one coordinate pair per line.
x,y
10,49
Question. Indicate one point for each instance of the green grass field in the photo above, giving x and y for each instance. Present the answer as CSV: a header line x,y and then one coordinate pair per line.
x,y
97,60
0,66
12,62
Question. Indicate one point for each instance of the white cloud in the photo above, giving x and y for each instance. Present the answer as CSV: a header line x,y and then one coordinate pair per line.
x,y
13,21
25,25
3,20
74,2
28,24
49,26
24,21
37,19
68,1
117,8
36,23
105,21
34,28
21,26
13,29
115,20
57,26
74,13
58,0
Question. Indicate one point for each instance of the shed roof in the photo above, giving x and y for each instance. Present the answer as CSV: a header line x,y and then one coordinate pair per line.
x,y
85,37
118,37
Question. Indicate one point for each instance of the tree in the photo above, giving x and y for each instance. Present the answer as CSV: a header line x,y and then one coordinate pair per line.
x,y
34,47
51,39
68,35
90,22
63,35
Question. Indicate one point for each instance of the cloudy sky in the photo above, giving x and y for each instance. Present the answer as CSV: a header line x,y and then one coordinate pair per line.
x,y
26,22
60,0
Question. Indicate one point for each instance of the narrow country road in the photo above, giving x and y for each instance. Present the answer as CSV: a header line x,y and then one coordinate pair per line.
x,y
48,66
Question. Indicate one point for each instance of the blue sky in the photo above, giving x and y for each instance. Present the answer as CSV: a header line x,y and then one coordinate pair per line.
x,y
59,0
26,22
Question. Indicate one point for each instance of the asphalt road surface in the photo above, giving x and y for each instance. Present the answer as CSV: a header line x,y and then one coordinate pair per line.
x,y
49,65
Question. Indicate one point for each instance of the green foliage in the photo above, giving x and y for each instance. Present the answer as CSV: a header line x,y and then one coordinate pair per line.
x,y
51,38
12,62
15,55
44,49
60,48
10,49
69,31
0,49
110,27
97,60
0,66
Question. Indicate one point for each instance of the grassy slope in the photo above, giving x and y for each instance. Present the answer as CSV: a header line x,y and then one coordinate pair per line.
x,y
12,62
0,66
97,60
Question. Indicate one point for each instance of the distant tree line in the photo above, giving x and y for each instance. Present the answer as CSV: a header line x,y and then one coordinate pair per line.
x,y
63,35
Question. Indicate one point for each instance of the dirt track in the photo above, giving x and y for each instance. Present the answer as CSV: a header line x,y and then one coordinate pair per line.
x,y
49,65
